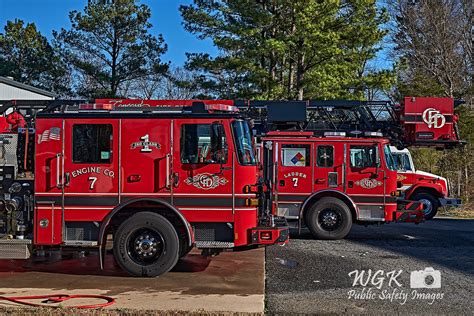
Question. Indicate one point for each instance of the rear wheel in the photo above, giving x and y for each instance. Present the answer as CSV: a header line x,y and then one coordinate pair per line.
x,y
430,204
329,218
146,244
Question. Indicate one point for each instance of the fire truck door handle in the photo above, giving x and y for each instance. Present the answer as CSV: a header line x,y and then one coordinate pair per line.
x,y
175,179
168,175
58,163
350,184
67,179
320,180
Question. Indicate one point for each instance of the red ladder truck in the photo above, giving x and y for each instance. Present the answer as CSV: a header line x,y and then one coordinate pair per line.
x,y
160,180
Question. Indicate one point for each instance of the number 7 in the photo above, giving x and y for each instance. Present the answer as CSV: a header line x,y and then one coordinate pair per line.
x,y
92,180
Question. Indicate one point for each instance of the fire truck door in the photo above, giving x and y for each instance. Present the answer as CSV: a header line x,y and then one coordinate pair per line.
x,y
294,177
90,172
202,170
145,158
365,179
328,166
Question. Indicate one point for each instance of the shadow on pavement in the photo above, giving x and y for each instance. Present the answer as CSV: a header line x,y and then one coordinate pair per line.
x,y
441,241
89,265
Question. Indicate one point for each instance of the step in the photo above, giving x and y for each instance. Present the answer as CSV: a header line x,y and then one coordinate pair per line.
x,y
15,248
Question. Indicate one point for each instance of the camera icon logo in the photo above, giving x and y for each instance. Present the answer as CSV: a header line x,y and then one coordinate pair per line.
x,y
425,279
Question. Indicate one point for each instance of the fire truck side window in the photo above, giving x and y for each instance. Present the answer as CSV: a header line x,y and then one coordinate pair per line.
x,y
325,156
296,155
364,156
91,143
203,143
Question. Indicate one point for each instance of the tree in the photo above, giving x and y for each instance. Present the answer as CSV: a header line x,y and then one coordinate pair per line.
x,y
177,84
434,45
287,49
109,47
27,56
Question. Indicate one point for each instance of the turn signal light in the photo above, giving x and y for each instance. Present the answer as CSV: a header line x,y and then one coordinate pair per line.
x,y
250,189
395,193
266,235
251,202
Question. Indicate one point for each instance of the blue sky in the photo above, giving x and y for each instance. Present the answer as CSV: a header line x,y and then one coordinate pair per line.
x,y
49,15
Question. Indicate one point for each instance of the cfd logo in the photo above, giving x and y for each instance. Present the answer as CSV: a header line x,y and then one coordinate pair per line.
x,y
433,118
205,181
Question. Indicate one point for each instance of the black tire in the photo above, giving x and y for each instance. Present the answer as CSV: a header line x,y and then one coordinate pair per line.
x,y
146,244
185,251
329,218
430,202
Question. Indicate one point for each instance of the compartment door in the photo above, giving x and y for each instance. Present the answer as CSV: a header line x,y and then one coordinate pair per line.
x,y
48,181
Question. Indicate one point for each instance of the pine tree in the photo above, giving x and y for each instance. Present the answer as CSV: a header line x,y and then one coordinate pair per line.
x,y
109,46
28,57
287,49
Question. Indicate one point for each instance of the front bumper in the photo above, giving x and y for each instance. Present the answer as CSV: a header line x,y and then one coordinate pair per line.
x,y
409,211
277,233
450,202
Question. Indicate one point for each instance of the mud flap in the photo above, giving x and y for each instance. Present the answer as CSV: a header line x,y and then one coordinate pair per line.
x,y
409,211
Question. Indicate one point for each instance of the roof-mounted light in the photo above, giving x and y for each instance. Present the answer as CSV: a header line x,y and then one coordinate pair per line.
x,y
221,108
335,134
96,106
373,134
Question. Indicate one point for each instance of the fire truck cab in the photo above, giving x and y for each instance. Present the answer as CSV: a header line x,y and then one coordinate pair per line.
x,y
159,180
430,189
328,183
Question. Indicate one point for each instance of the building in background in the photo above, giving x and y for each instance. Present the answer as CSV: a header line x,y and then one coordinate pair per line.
x,y
13,90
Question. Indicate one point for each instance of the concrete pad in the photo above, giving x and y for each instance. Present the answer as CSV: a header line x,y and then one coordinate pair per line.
x,y
230,282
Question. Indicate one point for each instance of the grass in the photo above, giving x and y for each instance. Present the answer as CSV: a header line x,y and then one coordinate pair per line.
x,y
466,211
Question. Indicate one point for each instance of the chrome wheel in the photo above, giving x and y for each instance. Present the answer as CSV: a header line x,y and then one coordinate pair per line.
x,y
428,206
145,246
330,220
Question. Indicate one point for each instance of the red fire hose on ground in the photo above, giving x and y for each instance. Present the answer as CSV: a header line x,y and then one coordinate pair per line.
x,y
59,298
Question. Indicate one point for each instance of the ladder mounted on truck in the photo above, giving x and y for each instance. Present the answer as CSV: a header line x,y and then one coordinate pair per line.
x,y
417,121
421,121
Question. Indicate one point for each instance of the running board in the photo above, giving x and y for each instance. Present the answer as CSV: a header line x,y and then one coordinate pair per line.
x,y
214,244
80,243
15,248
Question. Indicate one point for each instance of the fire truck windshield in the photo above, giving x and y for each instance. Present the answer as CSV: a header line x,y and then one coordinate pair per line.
x,y
389,159
243,143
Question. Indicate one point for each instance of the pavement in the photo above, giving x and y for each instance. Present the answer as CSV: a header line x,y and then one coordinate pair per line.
x,y
306,276
312,276
230,282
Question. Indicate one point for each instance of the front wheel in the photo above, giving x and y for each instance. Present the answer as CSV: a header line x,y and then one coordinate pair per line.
x,y
329,218
146,244
430,204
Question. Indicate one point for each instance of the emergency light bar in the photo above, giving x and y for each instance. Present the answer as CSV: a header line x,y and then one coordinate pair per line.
x,y
373,134
335,134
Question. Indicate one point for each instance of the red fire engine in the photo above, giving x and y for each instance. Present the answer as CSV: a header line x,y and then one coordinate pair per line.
x,y
159,180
